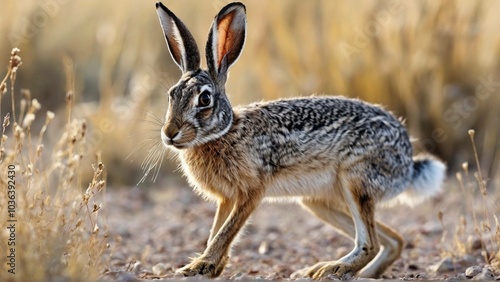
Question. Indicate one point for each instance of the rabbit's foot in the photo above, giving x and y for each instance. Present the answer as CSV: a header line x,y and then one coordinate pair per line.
x,y
203,266
329,269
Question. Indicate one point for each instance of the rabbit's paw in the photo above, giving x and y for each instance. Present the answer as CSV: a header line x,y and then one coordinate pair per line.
x,y
201,266
330,270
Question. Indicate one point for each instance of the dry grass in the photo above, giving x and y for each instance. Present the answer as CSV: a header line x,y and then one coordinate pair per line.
x,y
58,230
478,228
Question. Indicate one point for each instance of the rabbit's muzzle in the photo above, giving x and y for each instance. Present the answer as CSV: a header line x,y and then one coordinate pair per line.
x,y
170,133
177,134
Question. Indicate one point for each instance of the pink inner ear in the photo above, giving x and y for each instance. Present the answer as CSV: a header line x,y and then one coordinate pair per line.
x,y
225,36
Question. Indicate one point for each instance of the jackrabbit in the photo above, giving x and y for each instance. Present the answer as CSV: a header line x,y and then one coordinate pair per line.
x,y
336,156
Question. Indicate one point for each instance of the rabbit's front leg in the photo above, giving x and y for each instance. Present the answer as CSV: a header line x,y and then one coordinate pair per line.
x,y
224,208
213,260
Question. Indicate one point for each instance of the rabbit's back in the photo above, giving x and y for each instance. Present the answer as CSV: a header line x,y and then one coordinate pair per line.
x,y
306,141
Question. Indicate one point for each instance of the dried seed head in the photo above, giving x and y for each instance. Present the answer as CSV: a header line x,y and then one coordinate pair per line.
x,y
39,149
28,120
3,88
15,59
102,183
6,121
96,207
14,51
50,115
18,131
85,198
35,105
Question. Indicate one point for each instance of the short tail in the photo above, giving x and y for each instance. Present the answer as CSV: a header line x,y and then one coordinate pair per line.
x,y
428,176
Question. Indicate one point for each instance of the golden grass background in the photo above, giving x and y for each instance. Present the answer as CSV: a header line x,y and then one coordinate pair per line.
x,y
435,63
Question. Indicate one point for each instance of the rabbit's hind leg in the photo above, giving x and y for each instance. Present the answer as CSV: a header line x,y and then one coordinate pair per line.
x,y
332,213
361,225
392,245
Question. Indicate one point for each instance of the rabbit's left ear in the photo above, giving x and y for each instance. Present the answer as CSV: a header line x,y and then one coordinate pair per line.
x,y
226,39
180,42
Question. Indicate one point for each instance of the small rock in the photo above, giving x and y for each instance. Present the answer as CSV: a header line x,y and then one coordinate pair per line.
x,y
137,267
160,269
263,248
486,274
473,271
443,265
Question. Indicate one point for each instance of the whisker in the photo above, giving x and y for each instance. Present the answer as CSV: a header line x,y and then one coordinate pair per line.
x,y
149,156
159,164
150,115
149,121
145,131
142,144
153,162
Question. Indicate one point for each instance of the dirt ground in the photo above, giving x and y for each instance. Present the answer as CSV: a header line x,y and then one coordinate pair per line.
x,y
155,231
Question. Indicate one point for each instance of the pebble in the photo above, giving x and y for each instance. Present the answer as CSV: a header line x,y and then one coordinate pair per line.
x,y
263,248
160,269
473,271
486,274
137,267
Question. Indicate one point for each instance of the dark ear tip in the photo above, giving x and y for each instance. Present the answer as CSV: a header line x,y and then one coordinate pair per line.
x,y
160,5
241,5
236,5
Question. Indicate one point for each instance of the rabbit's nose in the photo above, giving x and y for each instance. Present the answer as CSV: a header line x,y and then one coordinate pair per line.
x,y
171,131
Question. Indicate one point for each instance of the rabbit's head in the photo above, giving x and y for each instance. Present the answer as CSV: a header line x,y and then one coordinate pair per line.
x,y
198,108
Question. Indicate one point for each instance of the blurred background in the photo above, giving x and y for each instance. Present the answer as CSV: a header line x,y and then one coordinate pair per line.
x,y
434,63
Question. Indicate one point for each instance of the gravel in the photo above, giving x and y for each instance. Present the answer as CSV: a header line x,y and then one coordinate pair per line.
x,y
152,232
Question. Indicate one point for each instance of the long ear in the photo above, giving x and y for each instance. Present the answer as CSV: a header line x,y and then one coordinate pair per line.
x,y
181,44
226,39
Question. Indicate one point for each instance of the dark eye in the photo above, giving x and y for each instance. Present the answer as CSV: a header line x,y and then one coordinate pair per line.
x,y
204,99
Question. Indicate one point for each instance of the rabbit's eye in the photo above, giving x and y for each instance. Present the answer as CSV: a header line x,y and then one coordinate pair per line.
x,y
204,99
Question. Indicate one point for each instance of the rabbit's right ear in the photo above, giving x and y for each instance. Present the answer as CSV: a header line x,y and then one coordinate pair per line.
x,y
226,39
181,44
